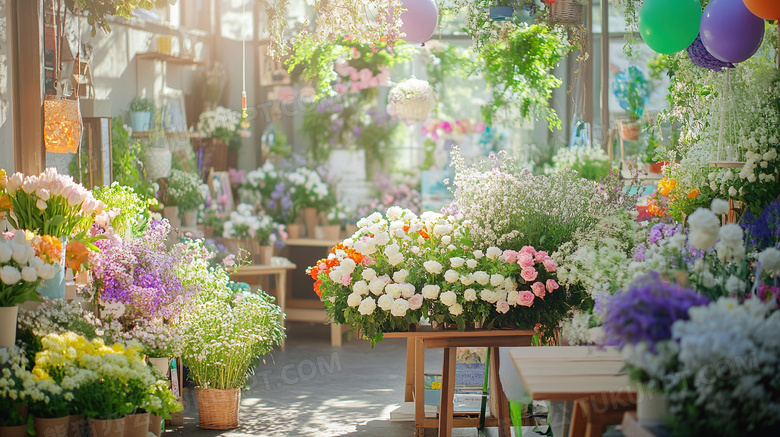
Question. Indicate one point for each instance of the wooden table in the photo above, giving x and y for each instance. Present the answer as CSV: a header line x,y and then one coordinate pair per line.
x,y
278,271
591,376
449,341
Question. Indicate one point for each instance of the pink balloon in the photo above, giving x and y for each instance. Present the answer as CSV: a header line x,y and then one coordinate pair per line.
x,y
420,20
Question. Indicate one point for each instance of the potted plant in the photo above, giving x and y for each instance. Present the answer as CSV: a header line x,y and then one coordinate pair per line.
x,y
141,111
183,189
13,395
633,92
160,404
309,195
565,11
220,129
234,329
52,408
337,219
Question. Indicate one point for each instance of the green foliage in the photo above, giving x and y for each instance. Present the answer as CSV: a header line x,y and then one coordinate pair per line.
x,y
126,163
183,189
517,69
98,11
140,104
134,212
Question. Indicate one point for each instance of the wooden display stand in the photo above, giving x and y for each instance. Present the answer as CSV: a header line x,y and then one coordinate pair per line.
x,y
449,341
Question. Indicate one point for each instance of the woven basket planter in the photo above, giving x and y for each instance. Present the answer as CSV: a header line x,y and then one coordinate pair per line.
x,y
157,162
566,12
218,409
414,109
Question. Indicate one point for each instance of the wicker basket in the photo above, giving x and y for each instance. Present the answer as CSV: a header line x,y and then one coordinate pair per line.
x,y
218,409
414,109
567,12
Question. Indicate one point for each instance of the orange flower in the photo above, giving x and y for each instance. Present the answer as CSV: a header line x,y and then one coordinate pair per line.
x,y
76,255
693,193
49,248
423,233
317,287
3,179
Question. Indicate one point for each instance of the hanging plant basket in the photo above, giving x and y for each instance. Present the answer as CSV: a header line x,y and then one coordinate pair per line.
x,y
566,12
157,162
412,99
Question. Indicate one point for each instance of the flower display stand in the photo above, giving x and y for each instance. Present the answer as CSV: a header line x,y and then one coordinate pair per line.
x,y
449,341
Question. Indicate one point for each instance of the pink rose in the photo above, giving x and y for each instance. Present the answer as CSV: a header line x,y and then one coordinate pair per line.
x,y
502,306
538,289
510,256
550,265
552,285
525,260
528,249
415,302
526,298
367,261
541,255
529,274
346,280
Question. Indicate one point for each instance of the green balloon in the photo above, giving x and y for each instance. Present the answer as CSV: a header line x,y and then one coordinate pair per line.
x,y
668,26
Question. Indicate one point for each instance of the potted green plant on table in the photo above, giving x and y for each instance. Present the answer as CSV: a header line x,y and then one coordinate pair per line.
x,y
225,337
183,190
141,111
633,92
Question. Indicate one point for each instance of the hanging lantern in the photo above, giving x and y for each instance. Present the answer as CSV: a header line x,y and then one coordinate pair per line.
x,y
62,125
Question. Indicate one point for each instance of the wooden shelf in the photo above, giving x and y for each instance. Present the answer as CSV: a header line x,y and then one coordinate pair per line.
x,y
171,59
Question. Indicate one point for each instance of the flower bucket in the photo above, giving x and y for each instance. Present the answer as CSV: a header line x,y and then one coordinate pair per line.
x,y
77,426
294,230
107,428
189,219
566,12
157,162
266,253
652,407
310,219
52,427
332,232
139,121
13,431
629,130
155,425
161,364
54,288
8,326
218,409
136,425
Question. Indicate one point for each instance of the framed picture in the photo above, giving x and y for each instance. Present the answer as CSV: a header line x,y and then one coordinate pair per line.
x,y
221,190
174,117
272,72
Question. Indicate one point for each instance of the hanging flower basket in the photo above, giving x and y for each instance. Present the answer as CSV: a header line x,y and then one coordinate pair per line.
x,y
157,162
412,99
566,11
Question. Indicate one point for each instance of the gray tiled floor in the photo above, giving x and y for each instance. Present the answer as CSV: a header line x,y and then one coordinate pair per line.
x,y
313,389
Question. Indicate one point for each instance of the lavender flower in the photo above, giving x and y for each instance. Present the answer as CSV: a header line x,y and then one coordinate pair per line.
x,y
646,311
763,231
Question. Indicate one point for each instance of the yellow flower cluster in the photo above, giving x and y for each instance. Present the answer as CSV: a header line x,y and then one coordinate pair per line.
x,y
69,349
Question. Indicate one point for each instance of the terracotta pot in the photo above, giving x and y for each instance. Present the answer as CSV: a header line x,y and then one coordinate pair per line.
x,y
266,253
310,219
208,231
107,428
13,431
77,426
155,425
161,364
218,409
8,326
629,130
136,425
52,427
332,232
294,231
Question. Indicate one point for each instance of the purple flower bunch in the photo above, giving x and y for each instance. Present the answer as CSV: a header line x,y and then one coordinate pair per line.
x,y
646,311
142,274
763,231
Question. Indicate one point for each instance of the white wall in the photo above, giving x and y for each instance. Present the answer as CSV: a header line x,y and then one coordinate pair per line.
x,y
6,94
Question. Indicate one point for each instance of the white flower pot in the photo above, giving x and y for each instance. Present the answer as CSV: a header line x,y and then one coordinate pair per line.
x,y
140,121
8,326
652,407
161,364
157,162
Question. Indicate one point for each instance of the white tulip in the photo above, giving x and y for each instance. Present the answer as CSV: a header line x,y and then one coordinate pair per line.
x,y
10,275
41,204
21,255
46,272
6,252
43,193
30,184
29,274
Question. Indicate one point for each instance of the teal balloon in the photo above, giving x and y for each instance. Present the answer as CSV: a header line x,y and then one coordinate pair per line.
x,y
668,26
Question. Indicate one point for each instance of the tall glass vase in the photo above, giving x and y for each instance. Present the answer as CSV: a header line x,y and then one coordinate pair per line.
x,y
54,288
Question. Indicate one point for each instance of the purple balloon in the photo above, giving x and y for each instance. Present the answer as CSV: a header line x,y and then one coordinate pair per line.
x,y
730,32
420,20
704,59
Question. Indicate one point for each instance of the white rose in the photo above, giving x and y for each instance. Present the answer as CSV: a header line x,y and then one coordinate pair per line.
x,y
493,253
385,302
704,229
456,309
478,254
395,259
496,280
46,272
481,277
734,285
354,299
399,308
392,249
446,240
470,294
400,276
471,263
394,213
377,285
415,250
456,262
451,276
381,238
335,275
10,275
29,274
360,287
348,266
393,290
467,280
431,292
448,298
407,290
433,267
707,279
719,206
488,295
369,274
367,307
